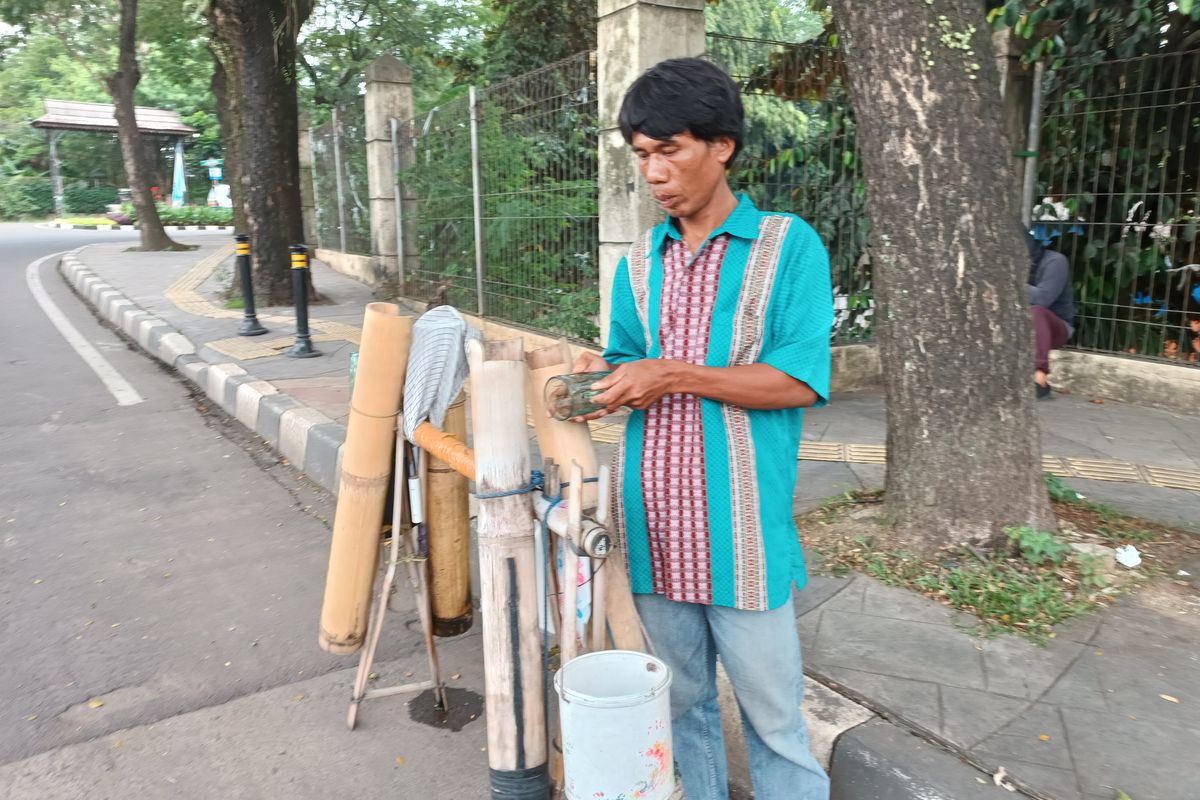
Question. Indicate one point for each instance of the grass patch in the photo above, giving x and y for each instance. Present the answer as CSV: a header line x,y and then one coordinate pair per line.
x,y
1039,581
85,221
235,302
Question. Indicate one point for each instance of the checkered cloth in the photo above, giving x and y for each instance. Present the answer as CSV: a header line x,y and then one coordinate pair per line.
x,y
673,445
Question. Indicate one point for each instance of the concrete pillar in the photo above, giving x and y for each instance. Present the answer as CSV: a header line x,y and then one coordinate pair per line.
x,y
56,184
632,36
308,197
389,94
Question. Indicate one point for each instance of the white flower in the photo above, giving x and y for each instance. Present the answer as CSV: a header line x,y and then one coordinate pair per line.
x,y
1161,231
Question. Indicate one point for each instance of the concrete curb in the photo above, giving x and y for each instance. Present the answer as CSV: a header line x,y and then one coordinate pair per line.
x,y
67,226
311,441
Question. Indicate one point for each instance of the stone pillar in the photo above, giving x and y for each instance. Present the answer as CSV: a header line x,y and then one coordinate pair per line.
x,y
308,198
389,94
632,36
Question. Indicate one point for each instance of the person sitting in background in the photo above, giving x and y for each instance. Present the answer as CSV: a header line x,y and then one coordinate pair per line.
x,y
1192,337
1053,308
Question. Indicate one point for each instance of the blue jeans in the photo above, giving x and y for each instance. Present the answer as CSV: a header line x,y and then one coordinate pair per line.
x,y
760,651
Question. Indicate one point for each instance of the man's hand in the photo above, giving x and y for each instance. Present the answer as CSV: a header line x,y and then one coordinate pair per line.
x,y
637,384
590,362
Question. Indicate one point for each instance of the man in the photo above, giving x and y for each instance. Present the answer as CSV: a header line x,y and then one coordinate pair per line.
x,y
719,337
1053,308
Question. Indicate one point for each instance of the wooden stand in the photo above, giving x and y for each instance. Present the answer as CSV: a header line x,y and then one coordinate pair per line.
x,y
403,548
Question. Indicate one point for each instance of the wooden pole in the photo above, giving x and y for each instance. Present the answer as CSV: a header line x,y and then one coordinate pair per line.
x,y
512,645
449,531
366,471
564,441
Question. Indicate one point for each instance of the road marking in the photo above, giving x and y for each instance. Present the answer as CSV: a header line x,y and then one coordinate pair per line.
x,y
120,388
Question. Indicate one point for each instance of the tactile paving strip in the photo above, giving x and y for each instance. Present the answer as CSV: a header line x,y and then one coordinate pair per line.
x,y
1097,469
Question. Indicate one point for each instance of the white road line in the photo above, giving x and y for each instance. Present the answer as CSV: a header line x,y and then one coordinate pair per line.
x,y
120,388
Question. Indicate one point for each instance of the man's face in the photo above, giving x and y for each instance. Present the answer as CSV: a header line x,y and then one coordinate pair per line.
x,y
1196,325
683,172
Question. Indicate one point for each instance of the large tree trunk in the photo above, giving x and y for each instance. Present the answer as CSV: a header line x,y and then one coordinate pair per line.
x,y
226,94
121,85
260,38
950,265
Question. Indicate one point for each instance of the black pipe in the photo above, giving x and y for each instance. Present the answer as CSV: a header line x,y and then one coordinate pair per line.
x,y
250,324
303,347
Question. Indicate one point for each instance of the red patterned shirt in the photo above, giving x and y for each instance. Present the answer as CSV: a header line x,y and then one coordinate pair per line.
x,y
673,440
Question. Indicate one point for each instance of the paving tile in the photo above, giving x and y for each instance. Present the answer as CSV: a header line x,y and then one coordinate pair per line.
x,y
1080,687
916,702
1021,740
1056,782
969,716
1150,760
881,600
1019,668
818,589
899,648
849,598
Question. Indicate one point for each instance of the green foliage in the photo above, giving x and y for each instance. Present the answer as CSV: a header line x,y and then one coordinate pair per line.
x,y
25,197
440,40
188,215
540,234
89,199
801,136
529,34
1038,547
1095,30
1060,491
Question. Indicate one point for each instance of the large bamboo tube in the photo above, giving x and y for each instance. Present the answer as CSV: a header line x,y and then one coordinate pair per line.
x,y
512,645
448,519
564,441
366,472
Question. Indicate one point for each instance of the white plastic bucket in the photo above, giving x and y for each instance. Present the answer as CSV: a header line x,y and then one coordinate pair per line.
x,y
615,709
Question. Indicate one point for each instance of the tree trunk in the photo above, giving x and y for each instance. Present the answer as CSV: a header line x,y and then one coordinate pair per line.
x,y
229,117
260,38
121,85
950,266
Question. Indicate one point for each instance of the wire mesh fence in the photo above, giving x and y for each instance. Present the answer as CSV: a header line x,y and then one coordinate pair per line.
x,y
339,149
1119,195
535,145
800,155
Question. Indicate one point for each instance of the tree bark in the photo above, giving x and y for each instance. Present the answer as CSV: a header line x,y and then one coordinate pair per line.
x,y
950,266
121,85
260,38
226,95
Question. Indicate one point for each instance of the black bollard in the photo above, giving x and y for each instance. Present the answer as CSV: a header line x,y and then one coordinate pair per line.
x,y
303,347
250,325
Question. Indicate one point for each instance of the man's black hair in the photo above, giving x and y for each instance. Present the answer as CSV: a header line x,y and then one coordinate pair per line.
x,y
684,95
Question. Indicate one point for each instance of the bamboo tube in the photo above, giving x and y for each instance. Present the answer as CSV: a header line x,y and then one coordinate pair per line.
x,y
568,635
562,440
448,520
366,472
446,447
512,646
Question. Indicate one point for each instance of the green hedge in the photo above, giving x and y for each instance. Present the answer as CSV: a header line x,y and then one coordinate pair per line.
x,y
89,199
25,197
188,215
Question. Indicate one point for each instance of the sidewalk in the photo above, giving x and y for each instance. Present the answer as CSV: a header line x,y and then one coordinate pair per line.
x,y
1076,720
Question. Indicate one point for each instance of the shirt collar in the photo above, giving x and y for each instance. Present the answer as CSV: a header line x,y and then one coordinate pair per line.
x,y
742,222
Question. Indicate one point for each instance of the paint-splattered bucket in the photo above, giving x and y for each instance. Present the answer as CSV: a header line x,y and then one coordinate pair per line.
x,y
615,709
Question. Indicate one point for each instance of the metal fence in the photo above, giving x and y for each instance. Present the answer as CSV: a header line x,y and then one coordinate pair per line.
x,y
339,149
502,209
1119,194
800,155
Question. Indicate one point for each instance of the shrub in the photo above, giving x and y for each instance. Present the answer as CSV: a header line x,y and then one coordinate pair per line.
x,y
188,215
25,197
89,199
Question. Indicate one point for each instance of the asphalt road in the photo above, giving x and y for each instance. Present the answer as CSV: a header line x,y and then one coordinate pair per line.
x,y
154,560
